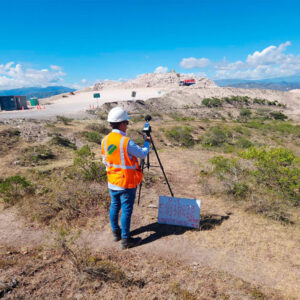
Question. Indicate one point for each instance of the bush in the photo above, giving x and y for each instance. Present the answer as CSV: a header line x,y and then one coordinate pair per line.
x,y
229,171
212,102
93,136
278,115
8,139
180,135
64,120
62,141
85,165
216,137
35,155
243,143
237,100
224,165
239,190
13,188
245,113
270,103
270,209
259,101
8,133
278,170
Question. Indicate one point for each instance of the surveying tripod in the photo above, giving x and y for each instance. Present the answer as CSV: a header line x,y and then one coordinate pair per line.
x,y
147,131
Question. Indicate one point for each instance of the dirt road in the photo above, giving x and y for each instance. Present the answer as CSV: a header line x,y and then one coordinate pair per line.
x,y
77,104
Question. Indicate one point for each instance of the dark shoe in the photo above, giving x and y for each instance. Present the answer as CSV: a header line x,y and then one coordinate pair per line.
x,y
116,235
130,242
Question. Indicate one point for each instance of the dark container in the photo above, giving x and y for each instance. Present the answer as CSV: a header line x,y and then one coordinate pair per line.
x,y
13,102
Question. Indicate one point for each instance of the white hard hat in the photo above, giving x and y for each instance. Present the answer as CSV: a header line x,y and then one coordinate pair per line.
x,y
117,114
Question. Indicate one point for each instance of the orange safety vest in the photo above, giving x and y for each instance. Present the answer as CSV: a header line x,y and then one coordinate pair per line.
x,y
121,170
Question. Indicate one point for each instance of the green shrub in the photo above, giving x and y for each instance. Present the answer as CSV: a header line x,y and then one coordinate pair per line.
x,y
212,102
244,115
255,124
245,112
8,139
243,143
10,132
270,103
93,136
35,155
238,189
224,165
13,188
259,101
284,128
180,135
230,172
64,120
237,100
62,141
85,165
277,169
216,136
278,115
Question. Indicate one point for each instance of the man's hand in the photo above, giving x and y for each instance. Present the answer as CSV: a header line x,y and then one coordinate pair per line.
x,y
147,138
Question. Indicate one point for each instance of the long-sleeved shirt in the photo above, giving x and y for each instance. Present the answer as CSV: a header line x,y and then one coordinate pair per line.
x,y
133,150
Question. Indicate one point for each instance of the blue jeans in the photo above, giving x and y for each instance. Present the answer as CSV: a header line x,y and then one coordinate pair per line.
x,y
124,200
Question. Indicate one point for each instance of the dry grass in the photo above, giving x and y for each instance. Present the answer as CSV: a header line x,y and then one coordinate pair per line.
x,y
236,254
53,274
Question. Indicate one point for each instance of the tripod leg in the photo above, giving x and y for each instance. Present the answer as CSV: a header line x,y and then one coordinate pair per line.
x,y
161,166
140,186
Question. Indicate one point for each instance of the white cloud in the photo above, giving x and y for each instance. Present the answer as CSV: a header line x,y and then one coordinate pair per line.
x,y
192,62
161,69
83,80
16,76
56,68
197,74
270,55
271,62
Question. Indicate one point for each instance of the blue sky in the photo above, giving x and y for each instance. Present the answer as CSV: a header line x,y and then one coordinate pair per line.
x,y
47,42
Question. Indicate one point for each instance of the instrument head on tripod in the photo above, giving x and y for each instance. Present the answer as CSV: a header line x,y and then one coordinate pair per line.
x,y
147,127
148,118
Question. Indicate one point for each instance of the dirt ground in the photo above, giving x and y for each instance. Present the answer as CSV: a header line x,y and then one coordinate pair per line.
x,y
255,250
235,254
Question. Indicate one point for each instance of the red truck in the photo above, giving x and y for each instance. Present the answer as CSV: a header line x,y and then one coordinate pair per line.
x,y
187,82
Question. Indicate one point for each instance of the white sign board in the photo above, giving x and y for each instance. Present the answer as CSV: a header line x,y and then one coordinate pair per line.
x,y
179,211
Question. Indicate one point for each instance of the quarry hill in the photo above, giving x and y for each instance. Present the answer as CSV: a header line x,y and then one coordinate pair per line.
x,y
162,91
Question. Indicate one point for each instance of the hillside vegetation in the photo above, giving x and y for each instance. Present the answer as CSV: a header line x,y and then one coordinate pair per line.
x,y
244,165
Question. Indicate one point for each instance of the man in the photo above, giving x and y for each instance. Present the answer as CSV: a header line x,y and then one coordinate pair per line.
x,y
123,174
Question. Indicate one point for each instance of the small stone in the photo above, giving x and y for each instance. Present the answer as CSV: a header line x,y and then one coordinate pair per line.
x,y
24,250
152,206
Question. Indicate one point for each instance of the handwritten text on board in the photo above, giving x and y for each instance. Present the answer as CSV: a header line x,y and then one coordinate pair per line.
x,y
179,211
